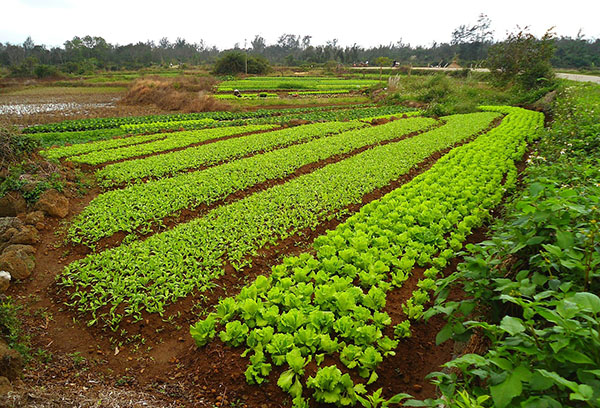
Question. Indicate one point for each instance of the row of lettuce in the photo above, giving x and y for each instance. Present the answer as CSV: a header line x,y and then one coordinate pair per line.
x,y
131,278
332,300
143,204
155,124
295,83
533,288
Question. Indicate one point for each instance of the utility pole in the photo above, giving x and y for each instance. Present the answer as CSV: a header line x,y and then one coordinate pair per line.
x,y
246,56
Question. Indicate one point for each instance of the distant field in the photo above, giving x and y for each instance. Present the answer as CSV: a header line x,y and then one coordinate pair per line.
x,y
295,83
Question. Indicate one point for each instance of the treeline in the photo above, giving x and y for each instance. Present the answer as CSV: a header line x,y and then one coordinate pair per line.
x,y
468,47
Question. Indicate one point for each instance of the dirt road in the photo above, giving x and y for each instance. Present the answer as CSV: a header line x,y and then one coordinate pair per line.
x,y
579,77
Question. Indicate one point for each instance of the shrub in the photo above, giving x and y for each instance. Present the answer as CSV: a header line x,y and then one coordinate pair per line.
x,y
234,62
523,59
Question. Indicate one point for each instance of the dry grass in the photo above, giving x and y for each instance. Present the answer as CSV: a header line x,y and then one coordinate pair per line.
x,y
77,396
183,94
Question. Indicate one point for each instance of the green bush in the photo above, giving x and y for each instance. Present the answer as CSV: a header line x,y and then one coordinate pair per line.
x,y
234,62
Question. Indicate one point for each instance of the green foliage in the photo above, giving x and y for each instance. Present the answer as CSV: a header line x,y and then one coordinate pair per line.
x,y
193,252
155,143
523,59
14,147
295,83
166,164
537,278
316,296
10,328
237,62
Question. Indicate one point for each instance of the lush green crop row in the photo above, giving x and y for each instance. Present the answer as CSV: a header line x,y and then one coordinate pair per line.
x,y
171,141
49,139
334,302
195,157
84,148
106,123
284,83
154,127
148,275
139,204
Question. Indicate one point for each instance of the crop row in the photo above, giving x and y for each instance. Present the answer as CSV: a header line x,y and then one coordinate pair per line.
x,y
171,141
148,275
154,127
139,204
334,302
106,123
283,83
195,157
49,139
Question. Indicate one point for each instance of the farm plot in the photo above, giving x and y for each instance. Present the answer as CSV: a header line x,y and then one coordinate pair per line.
x,y
295,83
193,158
132,278
139,204
332,301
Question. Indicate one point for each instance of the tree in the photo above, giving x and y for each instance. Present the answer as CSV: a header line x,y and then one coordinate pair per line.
x,y
479,32
472,41
258,44
381,61
234,62
523,59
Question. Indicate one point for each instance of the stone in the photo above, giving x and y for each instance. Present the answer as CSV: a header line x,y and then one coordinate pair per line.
x,y
7,223
27,249
11,204
34,217
53,203
4,281
8,234
5,386
11,362
40,226
27,235
18,261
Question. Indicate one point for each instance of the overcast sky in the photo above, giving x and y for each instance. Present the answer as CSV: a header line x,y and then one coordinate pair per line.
x,y
226,22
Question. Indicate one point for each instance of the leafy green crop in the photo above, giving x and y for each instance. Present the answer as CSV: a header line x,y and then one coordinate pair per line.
x,y
168,141
386,238
169,163
131,207
193,253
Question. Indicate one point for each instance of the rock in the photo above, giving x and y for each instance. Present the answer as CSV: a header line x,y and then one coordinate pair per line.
x,y
53,204
5,386
40,226
18,261
417,387
11,362
12,204
8,234
27,235
34,217
27,249
8,223
4,281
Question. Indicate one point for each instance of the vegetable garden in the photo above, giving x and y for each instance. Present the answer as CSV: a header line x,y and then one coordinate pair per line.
x,y
309,250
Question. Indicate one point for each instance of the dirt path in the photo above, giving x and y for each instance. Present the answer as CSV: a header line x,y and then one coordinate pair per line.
x,y
579,77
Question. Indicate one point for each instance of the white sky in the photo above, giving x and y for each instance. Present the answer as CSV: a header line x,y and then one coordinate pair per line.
x,y
225,22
